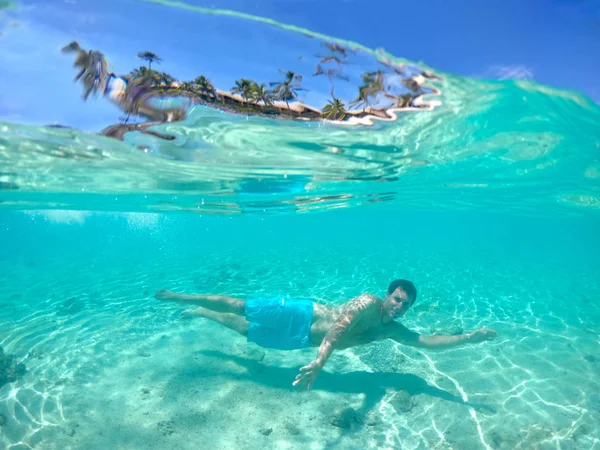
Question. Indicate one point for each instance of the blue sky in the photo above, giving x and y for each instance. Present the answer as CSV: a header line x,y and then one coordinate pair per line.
x,y
554,42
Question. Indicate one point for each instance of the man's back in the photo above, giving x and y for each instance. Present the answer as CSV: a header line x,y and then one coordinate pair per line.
x,y
367,325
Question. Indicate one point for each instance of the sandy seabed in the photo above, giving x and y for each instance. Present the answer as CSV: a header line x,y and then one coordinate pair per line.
x,y
109,366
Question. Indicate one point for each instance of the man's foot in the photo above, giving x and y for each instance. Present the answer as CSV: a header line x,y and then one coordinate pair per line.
x,y
165,295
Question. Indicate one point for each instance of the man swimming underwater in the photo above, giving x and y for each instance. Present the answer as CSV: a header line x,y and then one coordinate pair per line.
x,y
287,323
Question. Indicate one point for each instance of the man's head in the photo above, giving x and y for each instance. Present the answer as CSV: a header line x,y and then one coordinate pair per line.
x,y
400,296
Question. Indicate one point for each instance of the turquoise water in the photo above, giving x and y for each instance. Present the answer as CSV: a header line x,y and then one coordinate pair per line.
x,y
487,199
114,368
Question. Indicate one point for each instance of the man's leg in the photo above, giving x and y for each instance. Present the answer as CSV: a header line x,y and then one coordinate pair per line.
x,y
229,320
217,303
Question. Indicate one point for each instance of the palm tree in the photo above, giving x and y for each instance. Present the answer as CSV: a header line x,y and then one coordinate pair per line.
x,y
165,78
372,85
260,93
374,80
150,57
336,48
412,84
139,72
405,100
331,74
338,57
286,90
204,85
398,68
243,87
332,58
401,101
93,68
334,110
142,75
188,86
362,99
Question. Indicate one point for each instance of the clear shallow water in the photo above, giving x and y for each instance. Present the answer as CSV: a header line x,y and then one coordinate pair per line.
x,y
114,367
488,202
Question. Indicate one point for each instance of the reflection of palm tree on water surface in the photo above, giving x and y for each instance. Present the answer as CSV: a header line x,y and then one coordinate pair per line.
x,y
287,90
150,57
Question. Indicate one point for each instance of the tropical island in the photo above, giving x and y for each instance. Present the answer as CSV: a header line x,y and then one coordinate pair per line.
x,y
137,92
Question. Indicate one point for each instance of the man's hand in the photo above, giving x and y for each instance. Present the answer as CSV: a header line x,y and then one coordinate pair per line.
x,y
483,334
307,375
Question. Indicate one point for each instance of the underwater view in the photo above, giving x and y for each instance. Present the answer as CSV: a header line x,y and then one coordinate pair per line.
x,y
299,225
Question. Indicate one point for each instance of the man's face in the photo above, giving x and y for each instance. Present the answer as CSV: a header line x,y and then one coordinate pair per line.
x,y
397,303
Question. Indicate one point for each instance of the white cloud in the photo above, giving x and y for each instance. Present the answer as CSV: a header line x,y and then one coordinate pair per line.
x,y
511,72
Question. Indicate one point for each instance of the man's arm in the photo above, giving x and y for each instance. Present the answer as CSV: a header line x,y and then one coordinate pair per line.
x,y
344,323
405,336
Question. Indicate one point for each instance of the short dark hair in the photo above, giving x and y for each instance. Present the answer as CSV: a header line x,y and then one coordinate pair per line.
x,y
406,286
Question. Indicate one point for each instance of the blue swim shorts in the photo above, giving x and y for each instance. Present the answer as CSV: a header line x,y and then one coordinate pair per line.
x,y
279,322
